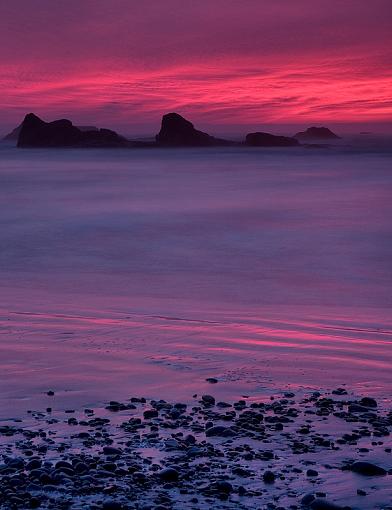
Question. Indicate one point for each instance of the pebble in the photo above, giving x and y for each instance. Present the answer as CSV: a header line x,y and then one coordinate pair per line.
x,y
208,399
269,477
169,474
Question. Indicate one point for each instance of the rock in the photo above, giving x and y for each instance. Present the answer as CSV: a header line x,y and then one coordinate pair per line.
x,y
110,450
219,430
62,133
112,505
212,380
50,393
307,499
316,133
14,134
34,502
223,486
311,472
150,413
260,139
368,402
269,477
208,399
169,474
367,469
356,408
339,391
179,132
323,504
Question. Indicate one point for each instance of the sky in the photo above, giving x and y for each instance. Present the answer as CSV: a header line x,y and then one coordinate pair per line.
x,y
227,65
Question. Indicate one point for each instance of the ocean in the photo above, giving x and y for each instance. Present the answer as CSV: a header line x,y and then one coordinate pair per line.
x,y
145,271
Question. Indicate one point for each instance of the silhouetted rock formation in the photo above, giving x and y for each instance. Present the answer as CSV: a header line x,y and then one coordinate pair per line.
x,y
62,133
179,132
88,128
267,140
316,133
15,132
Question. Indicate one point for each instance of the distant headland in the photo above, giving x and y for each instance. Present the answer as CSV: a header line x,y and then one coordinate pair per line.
x,y
175,131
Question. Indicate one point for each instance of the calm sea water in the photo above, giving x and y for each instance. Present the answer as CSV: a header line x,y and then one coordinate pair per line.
x,y
156,268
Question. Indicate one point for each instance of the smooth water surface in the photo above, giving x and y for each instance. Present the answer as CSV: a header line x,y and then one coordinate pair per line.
x,y
145,271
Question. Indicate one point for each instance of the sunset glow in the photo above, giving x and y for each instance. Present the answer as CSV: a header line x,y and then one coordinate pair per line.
x,y
123,64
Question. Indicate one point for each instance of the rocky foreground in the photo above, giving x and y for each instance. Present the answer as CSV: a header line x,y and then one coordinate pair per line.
x,y
316,451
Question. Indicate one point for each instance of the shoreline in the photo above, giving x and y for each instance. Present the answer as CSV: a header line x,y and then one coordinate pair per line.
x,y
281,451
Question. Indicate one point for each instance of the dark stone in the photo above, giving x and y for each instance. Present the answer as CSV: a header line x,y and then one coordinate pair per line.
x,y
267,140
307,499
223,486
208,399
311,472
110,450
323,504
169,474
316,133
367,469
219,430
212,380
179,132
269,477
112,505
356,408
150,413
34,502
368,402
339,391
62,133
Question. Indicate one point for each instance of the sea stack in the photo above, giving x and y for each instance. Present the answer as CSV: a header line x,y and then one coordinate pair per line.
x,y
316,133
14,134
179,132
260,139
62,133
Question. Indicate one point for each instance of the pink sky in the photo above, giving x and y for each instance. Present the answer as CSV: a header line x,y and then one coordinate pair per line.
x,y
225,64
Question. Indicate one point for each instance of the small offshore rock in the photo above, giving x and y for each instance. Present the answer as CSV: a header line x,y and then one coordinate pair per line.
x,y
208,399
212,380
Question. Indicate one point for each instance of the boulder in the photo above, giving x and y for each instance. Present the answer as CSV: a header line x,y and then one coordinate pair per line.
x,y
367,469
179,132
316,133
260,139
62,133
